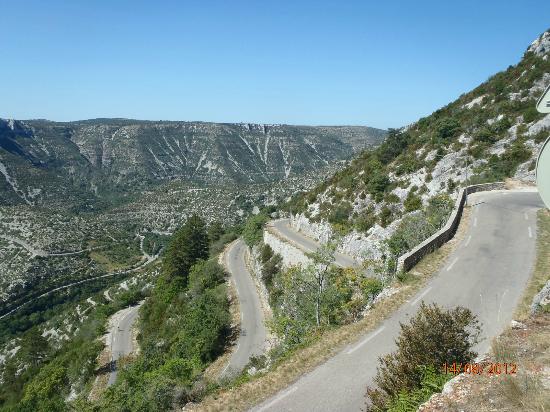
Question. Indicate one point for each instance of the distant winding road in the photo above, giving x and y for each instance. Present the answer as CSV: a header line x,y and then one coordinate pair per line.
x,y
121,339
252,337
486,273
148,260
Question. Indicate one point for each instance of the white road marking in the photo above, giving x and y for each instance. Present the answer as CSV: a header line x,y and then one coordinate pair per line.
x,y
224,369
525,215
278,398
452,264
414,302
349,352
530,231
468,241
475,221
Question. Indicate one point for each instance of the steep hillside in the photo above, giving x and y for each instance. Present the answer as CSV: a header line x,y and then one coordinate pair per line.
x,y
92,160
488,134
77,199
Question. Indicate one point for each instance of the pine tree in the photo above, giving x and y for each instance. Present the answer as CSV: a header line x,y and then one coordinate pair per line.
x,y
35,347
188,245
215,231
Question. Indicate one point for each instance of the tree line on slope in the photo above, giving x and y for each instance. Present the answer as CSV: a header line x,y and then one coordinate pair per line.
x,y
184,326
40,376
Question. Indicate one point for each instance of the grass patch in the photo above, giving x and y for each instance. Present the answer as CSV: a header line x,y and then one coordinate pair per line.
x,y
105,262
529,349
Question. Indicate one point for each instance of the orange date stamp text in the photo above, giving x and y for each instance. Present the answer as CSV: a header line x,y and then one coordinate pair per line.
x,y
474,368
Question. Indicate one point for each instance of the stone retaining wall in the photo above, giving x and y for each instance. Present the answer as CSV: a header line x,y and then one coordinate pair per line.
x,y
291,254
408,260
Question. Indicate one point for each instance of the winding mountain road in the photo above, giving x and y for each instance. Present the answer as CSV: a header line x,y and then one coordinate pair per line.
x,y
121,339
252,337
307,244
486,273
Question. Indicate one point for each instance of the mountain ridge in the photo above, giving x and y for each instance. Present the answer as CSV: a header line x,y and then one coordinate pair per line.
x,y
95,156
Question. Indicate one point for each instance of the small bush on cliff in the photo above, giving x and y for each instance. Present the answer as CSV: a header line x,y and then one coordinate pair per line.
x,y
415,228
433,337
412,202
253,229
271,265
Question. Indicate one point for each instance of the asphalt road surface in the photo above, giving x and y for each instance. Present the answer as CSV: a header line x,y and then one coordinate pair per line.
x,y
252,337
122,342
486,273
282,226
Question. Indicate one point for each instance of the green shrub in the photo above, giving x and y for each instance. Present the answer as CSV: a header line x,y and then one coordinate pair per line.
x,y
530,114
486,135
447,127
385,216
271,267
217,247
505,165
205,275
438,210
394,144
378,183
407,164
409,401
188,245
371,287
433,337
477,151
391,198
542,135
266,253
365,221
501,126
43,391
253,229
215,231
340,214
412,202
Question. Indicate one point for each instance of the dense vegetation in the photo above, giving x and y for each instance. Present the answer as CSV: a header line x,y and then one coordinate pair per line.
x,y
433,337
306,300
41,375
184,326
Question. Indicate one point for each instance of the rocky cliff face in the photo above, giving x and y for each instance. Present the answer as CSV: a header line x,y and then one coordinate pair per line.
x,y
40,159
489,134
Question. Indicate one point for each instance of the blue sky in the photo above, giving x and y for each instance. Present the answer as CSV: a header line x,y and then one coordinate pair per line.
x,y
377,63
